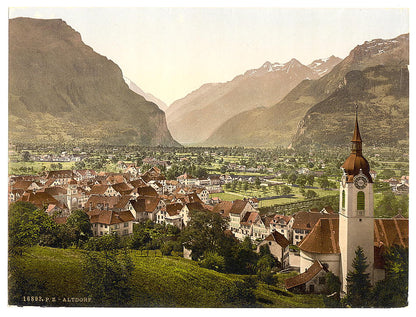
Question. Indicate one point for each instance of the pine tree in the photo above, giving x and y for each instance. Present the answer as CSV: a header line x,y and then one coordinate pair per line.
x,y
358,282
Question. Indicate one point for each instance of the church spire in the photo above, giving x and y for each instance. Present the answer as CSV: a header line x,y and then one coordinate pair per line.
x,y
357,142
356,163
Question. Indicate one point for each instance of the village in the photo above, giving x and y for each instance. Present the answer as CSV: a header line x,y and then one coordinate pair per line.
x,y
302,241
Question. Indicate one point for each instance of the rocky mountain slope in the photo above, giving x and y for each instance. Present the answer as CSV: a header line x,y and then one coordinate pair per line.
x,y
60,90
148,96
195,117
279,124
324,65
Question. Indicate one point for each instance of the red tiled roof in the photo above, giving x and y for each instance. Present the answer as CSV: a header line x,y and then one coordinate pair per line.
x,y
122,188
279,238
60,174
98,189
55,191
137,183
22,185
389,232
306,276
173,209
147,204
238,206
249,218
104,201
110,217
323,238
223,208
147,191
305,220
40,199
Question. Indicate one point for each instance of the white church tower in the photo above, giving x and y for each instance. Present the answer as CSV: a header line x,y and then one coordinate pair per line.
x,y
356,210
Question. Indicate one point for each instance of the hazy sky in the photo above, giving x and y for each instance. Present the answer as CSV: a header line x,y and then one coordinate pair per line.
x,y
170,52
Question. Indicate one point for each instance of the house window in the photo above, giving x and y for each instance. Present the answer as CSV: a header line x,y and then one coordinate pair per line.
x,y
360,201
126,224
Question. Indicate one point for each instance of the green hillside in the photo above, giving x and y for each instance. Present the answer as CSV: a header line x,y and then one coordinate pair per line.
x,y
157,282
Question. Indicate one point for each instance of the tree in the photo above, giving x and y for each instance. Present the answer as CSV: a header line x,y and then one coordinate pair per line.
x,y
310,179
333,288
323,182
79,223
301,180
310,194
205,232
240,293
285,190
213,261
393,290
107,277
28,226
26,156
257,182
358,281
291,178
264,267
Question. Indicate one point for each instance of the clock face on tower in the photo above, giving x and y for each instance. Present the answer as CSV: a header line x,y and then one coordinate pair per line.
x,y
360,181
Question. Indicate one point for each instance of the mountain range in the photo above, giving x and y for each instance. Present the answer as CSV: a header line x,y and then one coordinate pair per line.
x,y
207,108
60,90
148,96
317,110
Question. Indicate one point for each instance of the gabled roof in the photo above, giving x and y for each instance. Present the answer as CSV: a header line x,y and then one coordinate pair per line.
x,y
115,179
147,191
323,238
104,201
306,276
137,183
238,206
278,238
195,206
123,201
22,184
223,208
145,204
55,191
305,220
122,188
98,189
281,219
249,218
110,217
389,232
60,174
173,209
185,176
40,199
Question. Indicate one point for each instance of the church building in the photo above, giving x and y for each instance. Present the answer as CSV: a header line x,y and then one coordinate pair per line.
x,y
332,242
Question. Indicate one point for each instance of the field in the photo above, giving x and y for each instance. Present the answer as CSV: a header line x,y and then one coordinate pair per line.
x,y
167,281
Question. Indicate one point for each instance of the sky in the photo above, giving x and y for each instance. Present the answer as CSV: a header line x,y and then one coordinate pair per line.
x,y
171,51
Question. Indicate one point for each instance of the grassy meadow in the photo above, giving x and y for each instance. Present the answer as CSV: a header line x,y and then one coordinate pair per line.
x,y
168,281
